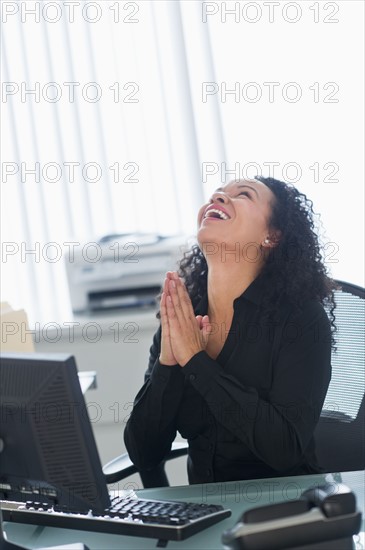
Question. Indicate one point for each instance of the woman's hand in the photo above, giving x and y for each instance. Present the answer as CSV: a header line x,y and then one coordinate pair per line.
x,y
166,355
188,334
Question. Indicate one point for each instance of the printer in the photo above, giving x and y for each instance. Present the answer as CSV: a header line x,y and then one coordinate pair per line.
x,y
121,271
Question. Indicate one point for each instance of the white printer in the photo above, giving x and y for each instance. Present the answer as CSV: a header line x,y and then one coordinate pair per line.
x,y
120,271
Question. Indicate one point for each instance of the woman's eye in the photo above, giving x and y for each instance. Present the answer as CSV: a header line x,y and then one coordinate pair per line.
x,y
245,193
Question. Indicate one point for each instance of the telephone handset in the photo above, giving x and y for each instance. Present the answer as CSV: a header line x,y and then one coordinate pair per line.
x,y
325,517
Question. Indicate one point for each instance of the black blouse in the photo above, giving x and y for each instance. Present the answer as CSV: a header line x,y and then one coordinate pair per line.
x,y
251,412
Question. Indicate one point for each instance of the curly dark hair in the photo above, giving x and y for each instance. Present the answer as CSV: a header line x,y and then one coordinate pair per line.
x,y
294,269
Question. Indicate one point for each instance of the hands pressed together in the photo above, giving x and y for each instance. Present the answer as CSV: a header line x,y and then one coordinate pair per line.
x,y
183,333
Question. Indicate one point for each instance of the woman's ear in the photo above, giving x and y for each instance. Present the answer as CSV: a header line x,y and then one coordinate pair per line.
x,y
273,239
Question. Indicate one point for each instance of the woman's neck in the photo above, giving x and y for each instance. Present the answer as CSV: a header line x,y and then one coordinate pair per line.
x,y
227,281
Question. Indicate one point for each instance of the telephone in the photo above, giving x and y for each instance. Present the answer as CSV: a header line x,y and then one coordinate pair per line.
x,y
324,518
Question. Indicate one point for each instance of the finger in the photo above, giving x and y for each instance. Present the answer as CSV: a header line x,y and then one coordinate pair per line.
x,y
177,303
172,318
185,301
206,324
205,319
206,329
165,287
163,311
163,299
171,275
164,317
199,319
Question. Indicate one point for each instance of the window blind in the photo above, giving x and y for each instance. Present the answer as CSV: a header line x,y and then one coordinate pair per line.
x,y
100,133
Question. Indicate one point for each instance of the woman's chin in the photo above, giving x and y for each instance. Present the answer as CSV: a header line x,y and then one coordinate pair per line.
x,y
208,235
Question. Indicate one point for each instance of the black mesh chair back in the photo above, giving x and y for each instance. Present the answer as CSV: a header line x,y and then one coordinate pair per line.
x,y
340,432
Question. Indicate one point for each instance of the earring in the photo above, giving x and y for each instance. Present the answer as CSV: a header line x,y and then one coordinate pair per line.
x,y
267,241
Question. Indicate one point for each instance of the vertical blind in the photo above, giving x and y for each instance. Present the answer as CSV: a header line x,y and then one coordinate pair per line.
x,y
100,135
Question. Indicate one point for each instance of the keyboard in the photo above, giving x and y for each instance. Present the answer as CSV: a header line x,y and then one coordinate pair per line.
x,y
132,516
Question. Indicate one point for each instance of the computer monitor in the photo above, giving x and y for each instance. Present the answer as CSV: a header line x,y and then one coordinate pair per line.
x,y
47,447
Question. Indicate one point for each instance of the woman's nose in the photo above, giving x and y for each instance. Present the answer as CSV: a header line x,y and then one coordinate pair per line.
x,y
219,196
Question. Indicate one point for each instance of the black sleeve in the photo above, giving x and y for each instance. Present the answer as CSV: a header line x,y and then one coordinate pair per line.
x,y
276,429
151,427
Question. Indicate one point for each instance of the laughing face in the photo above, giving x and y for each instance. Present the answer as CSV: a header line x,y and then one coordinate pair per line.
x,y
238,212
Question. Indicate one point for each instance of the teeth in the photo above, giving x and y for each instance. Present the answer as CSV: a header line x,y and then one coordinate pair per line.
x,y
221,214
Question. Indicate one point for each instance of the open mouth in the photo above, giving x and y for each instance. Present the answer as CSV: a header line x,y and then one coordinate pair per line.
x,y
216,213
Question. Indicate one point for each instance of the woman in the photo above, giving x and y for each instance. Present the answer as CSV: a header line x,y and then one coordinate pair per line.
x,y
241,363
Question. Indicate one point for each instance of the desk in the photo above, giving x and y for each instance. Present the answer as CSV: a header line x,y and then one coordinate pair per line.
x,y
239,496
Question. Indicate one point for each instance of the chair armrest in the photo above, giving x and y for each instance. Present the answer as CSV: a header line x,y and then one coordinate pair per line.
x,y
122,466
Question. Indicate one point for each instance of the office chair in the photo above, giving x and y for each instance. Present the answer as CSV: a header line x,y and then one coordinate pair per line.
x,y
122,467
339,434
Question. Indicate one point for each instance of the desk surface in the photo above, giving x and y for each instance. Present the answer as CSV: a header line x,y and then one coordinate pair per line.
x,y
238,496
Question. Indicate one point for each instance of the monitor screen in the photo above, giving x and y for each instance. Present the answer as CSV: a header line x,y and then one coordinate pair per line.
x,y
47,446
